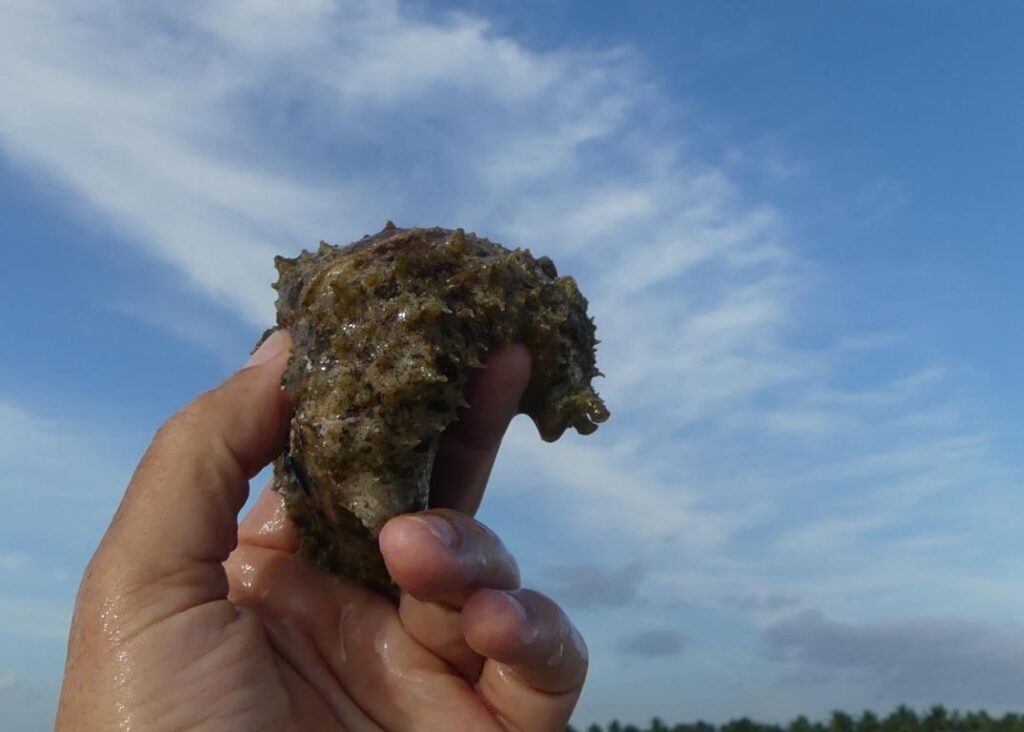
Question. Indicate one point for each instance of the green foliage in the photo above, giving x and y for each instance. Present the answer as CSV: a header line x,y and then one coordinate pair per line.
x,y
869,722
841,722
901,719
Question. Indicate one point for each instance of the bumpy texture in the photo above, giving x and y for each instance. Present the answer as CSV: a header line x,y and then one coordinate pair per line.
x,y
386,331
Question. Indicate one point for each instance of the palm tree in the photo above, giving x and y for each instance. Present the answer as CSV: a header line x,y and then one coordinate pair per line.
x,y
1010,723
868,722
800,724
840,722
901,719
978,722
937,720
743,724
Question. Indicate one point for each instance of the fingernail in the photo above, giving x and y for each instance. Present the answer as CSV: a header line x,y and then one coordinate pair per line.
x,y
440,528
267,350
528,630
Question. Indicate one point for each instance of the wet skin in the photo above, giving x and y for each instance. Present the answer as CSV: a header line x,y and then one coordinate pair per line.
x,y
186,620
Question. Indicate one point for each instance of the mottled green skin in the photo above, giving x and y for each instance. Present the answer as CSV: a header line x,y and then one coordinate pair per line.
x,y
386,332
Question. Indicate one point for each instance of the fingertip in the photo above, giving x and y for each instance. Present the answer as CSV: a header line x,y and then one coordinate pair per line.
x,y
528,631
441,554
407,536
469,445
498,625
251,411
274,346
419,552
507,370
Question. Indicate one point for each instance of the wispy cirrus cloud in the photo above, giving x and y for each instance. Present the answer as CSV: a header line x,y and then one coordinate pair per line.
x,y
154,122
34,618
220,133
59,488
741,462
41,450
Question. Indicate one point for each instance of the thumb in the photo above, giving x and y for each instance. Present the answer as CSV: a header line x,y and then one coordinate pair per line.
x,y
178,520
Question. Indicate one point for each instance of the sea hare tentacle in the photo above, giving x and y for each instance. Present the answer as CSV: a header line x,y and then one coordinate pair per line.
x,y
386,331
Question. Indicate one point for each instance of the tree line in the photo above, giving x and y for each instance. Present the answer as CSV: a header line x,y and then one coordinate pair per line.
x,y
901,719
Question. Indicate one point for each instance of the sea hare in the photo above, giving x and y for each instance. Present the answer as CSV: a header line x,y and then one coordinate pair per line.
x,y
386,332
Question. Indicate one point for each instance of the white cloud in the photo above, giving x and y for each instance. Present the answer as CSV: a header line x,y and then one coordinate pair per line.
x,y
32,617
214,136
151,120
920,660
654,643
25,704
616,490
13,561
772,603
40,451
595,585
59,486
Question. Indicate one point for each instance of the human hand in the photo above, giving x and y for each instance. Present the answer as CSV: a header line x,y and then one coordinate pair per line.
x,y
187,620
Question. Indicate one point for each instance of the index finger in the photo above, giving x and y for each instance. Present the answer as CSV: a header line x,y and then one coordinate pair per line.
x,y
469,446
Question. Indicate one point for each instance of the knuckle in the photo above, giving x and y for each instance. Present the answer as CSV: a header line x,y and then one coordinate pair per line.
x,y
186,425
186,419
168,437
99,584
93,580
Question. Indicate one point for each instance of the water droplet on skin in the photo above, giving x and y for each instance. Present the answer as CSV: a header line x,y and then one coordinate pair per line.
x,y
124,717
382,645
275,523
528,633
556,658
342,652
504,673
578,644
247,576
413,683
109,620
110,624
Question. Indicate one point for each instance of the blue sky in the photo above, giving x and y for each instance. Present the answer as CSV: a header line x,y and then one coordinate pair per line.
x,y
799,228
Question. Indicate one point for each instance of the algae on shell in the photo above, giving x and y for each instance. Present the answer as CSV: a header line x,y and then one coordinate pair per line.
x,y
385,334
